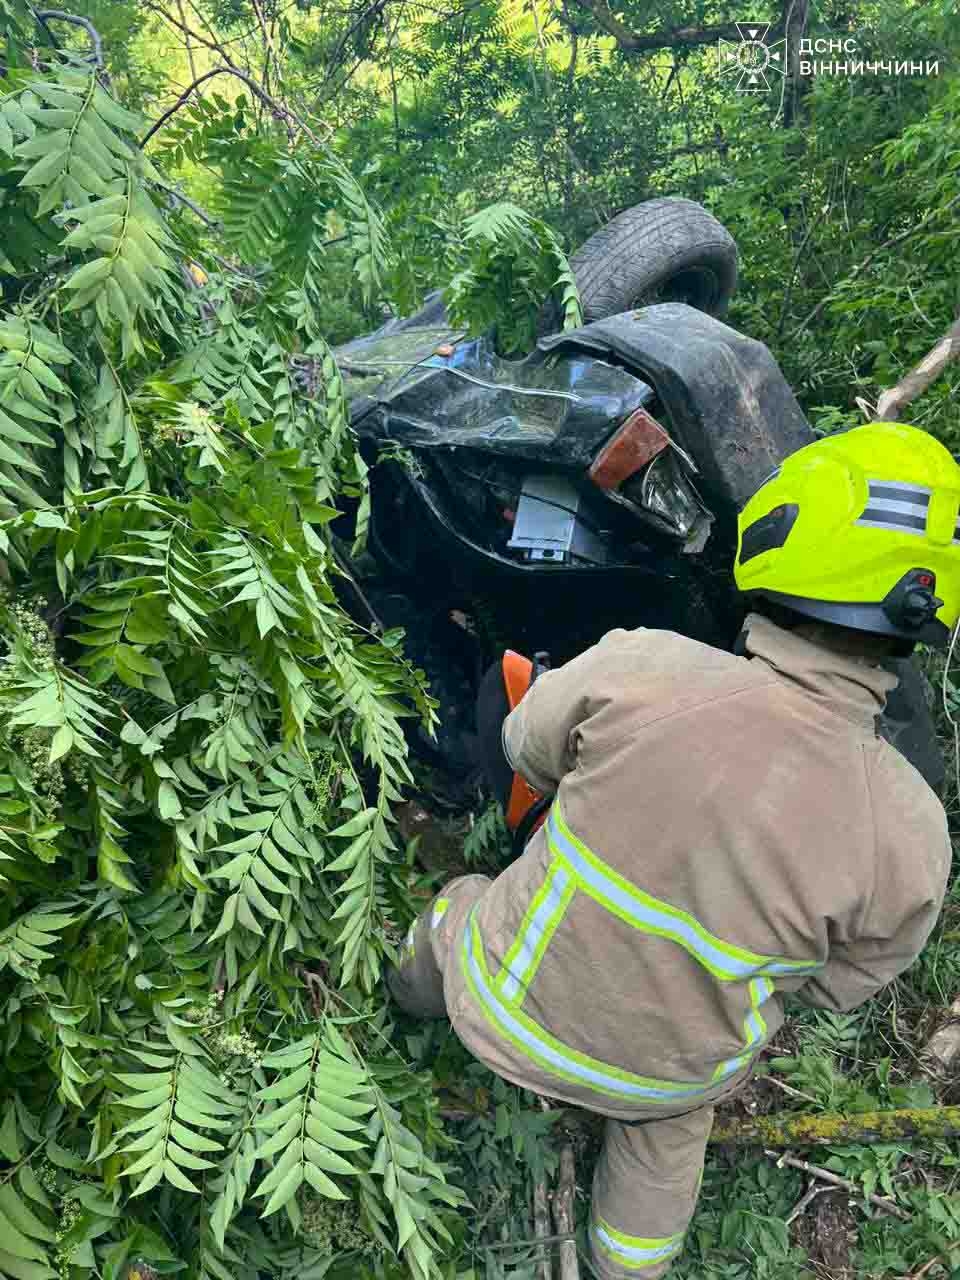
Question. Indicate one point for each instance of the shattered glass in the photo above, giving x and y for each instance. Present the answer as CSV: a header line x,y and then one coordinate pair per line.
x,y
424,387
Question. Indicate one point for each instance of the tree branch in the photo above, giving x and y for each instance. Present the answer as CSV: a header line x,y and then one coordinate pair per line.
x,y
834,1180
541,1229
646,42
862,266
563,1214
57,15
372,10
181,101
279,109
919,378
187,41
190,204
799,1129
187,30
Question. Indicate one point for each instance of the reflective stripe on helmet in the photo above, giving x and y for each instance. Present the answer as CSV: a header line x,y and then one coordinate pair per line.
x,y
439,911
900,507
888,491
725,961
634,1252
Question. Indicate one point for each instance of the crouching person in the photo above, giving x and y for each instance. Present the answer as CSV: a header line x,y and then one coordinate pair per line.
x,y
726,829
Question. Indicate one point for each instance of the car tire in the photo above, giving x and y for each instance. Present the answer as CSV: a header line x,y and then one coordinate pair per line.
x,y
664,250
907,723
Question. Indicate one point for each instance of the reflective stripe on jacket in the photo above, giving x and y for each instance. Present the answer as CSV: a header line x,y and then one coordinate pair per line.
x,y
724,830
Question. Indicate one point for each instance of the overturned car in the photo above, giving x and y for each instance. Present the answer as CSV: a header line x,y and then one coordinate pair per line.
x,y
534,504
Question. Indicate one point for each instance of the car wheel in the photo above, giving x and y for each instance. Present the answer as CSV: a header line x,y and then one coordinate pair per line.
x,y
665,250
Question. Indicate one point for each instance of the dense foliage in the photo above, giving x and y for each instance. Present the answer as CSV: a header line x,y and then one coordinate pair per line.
x,y
201,753
199,749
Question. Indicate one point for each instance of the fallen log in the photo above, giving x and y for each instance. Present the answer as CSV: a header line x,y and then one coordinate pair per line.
x,y
778,1129
798,1129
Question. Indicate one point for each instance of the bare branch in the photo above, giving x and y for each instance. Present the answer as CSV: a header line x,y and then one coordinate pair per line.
x,y
188,42
187,30
563,1214
541,1228
278,109
824,1175
646,42
190,204
808,1196
862,266
57,15
916,382
372,11
181,101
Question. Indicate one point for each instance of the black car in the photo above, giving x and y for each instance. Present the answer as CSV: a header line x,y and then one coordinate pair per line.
x,y
536,503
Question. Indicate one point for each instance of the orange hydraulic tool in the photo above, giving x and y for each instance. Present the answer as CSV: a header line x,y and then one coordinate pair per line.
x,y
526,808
503,686
517,679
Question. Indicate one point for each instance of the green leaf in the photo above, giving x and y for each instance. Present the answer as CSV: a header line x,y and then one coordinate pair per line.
x,y
46,169
285,1191
62,743
168,801
16,1210
9,1135
90,274
23,1269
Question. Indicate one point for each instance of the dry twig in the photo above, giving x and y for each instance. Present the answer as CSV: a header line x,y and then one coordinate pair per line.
x,y
928,1266
861,266
788,1088
563,1215
813,1190
541,1229
834,1179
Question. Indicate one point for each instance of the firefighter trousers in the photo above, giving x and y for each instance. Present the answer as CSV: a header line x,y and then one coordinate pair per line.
x,y
647,1178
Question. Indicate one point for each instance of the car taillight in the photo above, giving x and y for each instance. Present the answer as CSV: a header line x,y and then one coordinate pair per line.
x,y
631,447
640,467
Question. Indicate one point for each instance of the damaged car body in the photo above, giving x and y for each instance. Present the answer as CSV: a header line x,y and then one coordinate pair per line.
x,y
535,504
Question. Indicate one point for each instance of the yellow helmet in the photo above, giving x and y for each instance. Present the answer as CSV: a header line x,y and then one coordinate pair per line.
x,y
860,529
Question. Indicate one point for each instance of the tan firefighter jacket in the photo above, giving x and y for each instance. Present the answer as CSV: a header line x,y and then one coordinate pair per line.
x,y
725,830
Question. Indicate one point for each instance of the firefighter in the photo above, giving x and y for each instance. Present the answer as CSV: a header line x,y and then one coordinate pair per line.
x,y
727,829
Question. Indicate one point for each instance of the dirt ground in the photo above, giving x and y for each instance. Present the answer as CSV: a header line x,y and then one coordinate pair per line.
x,y
826,1230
